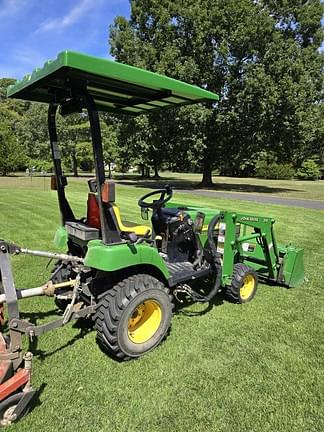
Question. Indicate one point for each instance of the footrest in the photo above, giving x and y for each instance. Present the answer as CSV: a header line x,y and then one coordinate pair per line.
x,y
185,271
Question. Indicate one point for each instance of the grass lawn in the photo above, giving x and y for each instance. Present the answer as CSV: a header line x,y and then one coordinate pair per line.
x,y
254,367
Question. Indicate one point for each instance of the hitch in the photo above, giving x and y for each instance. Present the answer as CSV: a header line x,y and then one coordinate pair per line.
x,y
16,391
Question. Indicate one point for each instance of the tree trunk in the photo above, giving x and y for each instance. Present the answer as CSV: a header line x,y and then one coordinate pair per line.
x,y
74,165
109,170
207,180
147,172
142,170
156,171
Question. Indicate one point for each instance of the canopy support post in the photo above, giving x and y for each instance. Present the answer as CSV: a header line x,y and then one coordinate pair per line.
x,y
109,226
66,211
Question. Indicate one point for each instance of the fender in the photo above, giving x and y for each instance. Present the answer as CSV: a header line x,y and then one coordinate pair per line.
x,y
118,256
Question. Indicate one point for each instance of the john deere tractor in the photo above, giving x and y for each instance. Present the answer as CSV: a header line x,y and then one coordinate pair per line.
x,y
126,277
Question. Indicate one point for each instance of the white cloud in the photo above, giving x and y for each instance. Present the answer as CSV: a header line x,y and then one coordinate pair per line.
x,y
70,18
28,57
11,7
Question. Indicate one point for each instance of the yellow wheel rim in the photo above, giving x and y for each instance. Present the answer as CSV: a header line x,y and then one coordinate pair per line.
x,y
248,287
144,321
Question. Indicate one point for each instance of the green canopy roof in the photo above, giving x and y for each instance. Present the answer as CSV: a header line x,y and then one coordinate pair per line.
x,y
114,86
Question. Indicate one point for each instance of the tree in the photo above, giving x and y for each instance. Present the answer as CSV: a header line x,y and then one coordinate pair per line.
x,y
261,56
109,133
11,155
73,129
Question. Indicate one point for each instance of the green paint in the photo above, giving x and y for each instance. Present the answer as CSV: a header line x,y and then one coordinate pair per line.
x,y
293,266
60,238
114,86
119,256
250,239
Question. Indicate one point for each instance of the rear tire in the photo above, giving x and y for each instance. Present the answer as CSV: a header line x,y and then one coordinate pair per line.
x,y
244,284
62,273
133,317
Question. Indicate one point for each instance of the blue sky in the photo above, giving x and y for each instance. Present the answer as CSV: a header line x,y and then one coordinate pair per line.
x,y
33,31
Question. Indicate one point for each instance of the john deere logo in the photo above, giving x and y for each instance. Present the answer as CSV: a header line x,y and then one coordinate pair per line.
x,y
250,218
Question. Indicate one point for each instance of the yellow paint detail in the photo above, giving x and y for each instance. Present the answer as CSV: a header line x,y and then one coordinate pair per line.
x,y
205,227
139,230
144,322
247,288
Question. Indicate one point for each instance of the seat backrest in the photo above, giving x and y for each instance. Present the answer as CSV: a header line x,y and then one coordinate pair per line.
x,y
93,217
93,214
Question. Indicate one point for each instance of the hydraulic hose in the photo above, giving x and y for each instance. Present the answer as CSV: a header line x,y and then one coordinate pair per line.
x,y
216,256
216,262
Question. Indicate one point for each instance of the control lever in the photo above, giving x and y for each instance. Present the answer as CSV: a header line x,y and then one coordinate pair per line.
x,y
145,238
132,237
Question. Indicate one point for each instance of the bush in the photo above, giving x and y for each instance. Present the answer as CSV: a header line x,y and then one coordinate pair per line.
x,y
308,171
274,170
11,152
39,165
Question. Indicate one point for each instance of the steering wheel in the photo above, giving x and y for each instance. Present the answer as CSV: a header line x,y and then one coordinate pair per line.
x,y
165,196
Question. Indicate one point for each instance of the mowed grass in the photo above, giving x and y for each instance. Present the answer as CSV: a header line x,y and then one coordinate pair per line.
x,y
311,190
224,367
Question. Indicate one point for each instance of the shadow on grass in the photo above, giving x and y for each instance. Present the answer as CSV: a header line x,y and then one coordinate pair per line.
x,y
180,308
35,402
86,325
202,287
183,184
83,324
176,183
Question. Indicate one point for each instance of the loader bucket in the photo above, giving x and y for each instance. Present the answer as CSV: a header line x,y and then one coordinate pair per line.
x,y
293,266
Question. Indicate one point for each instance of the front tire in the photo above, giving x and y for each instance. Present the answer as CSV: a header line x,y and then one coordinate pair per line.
x,y
7,408
134,316
244,284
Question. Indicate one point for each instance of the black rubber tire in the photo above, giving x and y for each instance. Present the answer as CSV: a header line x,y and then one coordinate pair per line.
x,y
116,308
12,401
233,291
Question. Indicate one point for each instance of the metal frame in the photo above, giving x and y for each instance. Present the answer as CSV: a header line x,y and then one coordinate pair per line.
x,y
66,211
14,352
17,327
109,230
109,227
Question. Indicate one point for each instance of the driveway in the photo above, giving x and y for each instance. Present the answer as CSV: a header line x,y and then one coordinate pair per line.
x,y
293,202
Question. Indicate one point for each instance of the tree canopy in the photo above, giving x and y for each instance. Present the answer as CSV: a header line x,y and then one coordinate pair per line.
x,y
262,57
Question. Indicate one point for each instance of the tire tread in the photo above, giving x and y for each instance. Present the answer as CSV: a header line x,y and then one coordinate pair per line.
x,y
232,292
111,306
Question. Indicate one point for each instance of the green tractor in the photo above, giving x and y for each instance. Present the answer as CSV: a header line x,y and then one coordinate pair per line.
x,y
127,277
